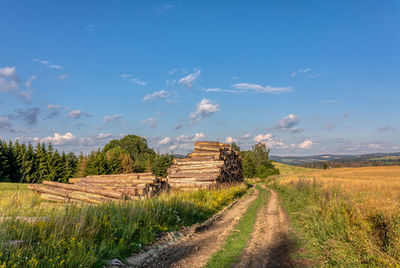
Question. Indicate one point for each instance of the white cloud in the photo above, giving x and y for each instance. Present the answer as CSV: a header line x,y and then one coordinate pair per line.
x,y
8,79
165,141
45,62
306,70
54,66
131,78
76,114
152,122
330,101
172,71
28,83
204,109
261,138
162,94
229,140
189,80
112,118
261,89
10,83
191,138
59,139
306,144
288,123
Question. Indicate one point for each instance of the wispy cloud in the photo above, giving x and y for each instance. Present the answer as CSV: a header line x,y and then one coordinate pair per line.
x,y
76,114
5,124
261,89
54,111
163,8
178,127
29,115
165,141
329,126
131,78
330,101
162,94
204,109
306,70
115,118
189,80
10,83
45,62
151,122
63,76
386,129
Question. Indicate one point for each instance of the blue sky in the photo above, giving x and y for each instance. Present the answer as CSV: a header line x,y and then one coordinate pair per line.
x,y
305,77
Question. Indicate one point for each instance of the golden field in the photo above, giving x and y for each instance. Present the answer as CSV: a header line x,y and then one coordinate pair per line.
x,y
374,188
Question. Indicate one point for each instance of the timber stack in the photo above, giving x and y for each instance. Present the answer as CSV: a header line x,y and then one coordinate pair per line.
x,y
102,188
210,163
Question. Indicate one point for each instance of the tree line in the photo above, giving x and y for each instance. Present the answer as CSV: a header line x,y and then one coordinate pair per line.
x,y
20,162
255,162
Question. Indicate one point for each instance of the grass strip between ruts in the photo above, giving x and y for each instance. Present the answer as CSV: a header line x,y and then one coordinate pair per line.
x,y
237,240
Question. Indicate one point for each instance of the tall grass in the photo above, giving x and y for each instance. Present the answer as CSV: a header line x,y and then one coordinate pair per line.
x,y
345,217
77,235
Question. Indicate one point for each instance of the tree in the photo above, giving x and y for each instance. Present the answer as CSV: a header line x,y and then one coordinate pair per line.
x,y
138,150
3,163
161,164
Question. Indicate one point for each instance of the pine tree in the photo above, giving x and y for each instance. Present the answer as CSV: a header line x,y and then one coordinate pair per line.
x,y
28,166
3,163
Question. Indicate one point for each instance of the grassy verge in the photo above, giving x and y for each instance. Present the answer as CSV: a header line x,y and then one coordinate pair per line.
x,y
85,236
333,231
236,241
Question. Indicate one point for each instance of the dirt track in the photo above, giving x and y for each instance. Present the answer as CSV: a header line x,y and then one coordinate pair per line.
x,y
267,247
269,244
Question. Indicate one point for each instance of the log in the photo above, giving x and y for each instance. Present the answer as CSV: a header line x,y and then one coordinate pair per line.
x,y
88,197
93,190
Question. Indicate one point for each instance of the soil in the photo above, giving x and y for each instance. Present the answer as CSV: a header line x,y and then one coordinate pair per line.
x,y
269,245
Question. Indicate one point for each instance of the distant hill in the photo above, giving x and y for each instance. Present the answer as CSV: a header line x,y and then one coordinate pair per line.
x,y
331,160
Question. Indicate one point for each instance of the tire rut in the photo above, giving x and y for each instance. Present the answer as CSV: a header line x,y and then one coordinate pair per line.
x,y
194,251
269,245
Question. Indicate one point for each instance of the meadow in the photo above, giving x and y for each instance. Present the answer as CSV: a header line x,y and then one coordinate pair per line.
x,y
59,235
343,216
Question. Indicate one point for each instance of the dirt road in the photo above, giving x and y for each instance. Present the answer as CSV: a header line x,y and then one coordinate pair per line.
x,y
269,244
267,247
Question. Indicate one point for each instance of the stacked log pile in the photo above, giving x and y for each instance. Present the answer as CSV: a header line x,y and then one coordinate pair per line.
x,y
210,163
102,188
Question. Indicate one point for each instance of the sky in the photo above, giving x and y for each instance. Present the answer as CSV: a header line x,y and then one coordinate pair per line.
x,y
304,77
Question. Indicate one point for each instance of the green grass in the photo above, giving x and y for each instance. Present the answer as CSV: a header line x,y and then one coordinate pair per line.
x,y
88,235
236,241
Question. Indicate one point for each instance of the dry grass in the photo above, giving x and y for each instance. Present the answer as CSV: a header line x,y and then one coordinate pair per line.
x,y
345,216
372,188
